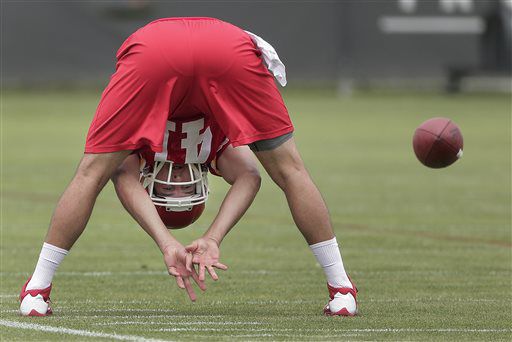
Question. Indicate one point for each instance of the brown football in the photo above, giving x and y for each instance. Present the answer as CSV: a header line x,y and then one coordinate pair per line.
x,y
438,143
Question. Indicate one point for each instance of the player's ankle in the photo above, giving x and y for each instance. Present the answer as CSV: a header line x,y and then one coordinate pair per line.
x,y
49,260
340,282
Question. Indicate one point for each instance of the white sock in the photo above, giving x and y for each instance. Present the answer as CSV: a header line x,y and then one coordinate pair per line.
x,y
328,256
49,260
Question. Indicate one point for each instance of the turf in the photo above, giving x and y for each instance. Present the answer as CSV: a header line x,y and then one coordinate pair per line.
x,y
430,250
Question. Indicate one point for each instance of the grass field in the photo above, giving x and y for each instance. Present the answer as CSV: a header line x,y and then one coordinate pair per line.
x,y
430,250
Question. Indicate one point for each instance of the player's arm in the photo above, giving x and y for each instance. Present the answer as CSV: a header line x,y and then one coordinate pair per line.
x,y
137,202
239,168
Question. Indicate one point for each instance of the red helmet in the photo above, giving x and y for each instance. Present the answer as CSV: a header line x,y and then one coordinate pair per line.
x,y
179,219
176,212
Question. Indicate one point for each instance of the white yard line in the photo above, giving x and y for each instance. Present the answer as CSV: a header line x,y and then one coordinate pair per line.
x,y
94,274
271,272
84,333
129,316
440,330
253,335
180,323
287,302
428,299
217,329
260,331
299,330
61,308
64,313
61,304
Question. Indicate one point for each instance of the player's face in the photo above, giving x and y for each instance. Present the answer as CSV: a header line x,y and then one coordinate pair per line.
x,y
180,173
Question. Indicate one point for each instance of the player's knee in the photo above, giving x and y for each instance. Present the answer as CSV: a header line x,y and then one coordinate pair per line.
x,y
290,173
289,169
284,169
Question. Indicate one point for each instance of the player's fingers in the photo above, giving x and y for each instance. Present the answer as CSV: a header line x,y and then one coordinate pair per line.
x,y
201,272
172,271
190,290
220,266
188,262
192,247
179,281
212,273
199,283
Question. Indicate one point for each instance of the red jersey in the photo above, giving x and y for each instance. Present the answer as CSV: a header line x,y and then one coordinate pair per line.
x,y
199,140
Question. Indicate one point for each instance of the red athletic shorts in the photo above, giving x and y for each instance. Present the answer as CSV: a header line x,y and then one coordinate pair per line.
x,y
179,68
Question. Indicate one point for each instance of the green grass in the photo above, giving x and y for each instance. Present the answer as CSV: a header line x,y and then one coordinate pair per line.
x,y
430,250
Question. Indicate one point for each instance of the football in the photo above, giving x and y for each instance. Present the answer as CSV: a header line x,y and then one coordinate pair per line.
x,y
438,143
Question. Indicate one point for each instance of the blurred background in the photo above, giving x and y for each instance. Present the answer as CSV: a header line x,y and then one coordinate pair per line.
x,y
452,45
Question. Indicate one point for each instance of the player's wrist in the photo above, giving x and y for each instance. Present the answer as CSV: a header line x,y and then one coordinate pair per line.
x,y
213,238
170,247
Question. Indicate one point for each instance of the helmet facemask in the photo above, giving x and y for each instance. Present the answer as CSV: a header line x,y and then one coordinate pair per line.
x,y
198,181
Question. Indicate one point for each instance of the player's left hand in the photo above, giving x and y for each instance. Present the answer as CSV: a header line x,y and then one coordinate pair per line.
x,y
179,265
205,253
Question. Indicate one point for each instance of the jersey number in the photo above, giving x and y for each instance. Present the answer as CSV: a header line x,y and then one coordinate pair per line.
x,y
197,145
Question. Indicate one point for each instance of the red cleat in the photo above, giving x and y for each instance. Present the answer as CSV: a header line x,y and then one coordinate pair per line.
x,y
35,302
343,301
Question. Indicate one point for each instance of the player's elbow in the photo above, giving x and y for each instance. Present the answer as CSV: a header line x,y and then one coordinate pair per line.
x,y
250,177
255,178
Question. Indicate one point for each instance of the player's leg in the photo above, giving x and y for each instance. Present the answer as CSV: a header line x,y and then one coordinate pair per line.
x,y
67,224
286,168
245,101
132,114
75,205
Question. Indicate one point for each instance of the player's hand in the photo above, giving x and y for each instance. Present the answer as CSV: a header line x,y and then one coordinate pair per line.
x,y
179,265
205,253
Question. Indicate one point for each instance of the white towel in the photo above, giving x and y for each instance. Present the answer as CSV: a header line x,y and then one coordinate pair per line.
x,y
274,64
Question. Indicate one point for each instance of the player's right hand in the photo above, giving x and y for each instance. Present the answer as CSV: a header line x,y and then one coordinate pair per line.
x,y
206,254
179,265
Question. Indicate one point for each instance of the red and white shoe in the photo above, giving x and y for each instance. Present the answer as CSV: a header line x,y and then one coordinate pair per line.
x,y
35,302
343,301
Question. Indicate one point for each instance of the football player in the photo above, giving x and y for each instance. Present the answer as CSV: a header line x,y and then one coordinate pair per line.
x,y
168,72
179,190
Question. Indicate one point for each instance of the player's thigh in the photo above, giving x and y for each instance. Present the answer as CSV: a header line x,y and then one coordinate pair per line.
x,y
100,166
282,162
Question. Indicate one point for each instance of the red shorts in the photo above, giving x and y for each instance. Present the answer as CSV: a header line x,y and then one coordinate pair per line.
x,y
185,67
